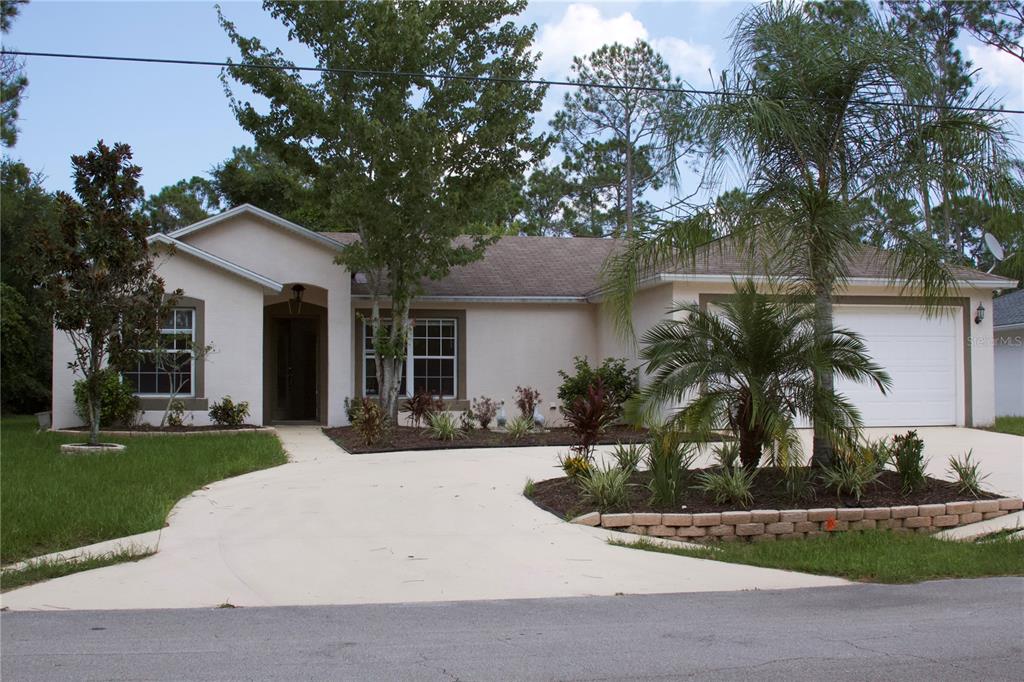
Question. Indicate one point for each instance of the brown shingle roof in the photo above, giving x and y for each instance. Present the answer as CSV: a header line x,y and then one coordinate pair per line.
x,y
570,267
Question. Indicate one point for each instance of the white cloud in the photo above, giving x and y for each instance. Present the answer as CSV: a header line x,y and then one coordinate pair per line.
x,y
1001,72
687,60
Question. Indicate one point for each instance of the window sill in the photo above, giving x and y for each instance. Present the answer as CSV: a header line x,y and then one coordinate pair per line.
x,y
191,404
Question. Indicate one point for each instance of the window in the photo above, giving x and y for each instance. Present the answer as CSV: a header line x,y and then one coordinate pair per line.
x,y
430,359
174,370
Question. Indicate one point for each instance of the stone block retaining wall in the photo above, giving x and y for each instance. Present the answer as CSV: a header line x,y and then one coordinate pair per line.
x,y
774,524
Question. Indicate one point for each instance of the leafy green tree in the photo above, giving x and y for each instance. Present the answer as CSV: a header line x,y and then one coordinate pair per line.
x,y
258,177
409,162
804,117
26,208
97,275
750,366
623,141
12,77
183,203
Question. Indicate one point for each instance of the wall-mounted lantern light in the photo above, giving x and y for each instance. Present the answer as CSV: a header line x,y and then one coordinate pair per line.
x,y
979,314
296,299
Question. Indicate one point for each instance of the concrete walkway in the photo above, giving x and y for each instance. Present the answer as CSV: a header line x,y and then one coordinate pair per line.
x,y
334,528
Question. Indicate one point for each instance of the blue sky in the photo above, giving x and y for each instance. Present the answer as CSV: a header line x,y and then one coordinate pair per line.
x,y
176,118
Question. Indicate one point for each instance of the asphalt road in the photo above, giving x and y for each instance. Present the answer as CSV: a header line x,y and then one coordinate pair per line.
x,y
950,630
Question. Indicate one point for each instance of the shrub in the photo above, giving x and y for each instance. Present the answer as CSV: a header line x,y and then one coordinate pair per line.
x,y
370,421
907,458
605,487
484,410
728,486
727,455
518,427
628,456
420,406
798,482
668,459
352,410
176,413
118,404
443,426
968,475
229,413
619,383
588,417
852,474
527,399
529,488
575,466
466,421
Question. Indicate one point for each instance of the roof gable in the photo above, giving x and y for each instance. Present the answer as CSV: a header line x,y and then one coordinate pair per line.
x,y
216,261
267,216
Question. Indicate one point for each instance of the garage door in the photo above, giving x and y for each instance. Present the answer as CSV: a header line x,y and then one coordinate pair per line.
x,y
919,353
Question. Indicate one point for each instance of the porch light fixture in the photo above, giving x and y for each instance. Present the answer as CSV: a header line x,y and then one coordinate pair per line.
x,y
297,291
979,314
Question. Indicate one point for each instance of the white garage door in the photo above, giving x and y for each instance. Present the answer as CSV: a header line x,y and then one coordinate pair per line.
x,y
918,352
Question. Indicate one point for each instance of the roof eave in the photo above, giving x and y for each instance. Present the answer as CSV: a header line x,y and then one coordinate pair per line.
x,y
277,220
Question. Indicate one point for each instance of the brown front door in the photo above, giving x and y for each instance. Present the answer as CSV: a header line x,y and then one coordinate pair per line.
x,y
296,394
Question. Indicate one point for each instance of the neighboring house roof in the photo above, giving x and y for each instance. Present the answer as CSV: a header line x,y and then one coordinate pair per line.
x,y
217,261
249,209
1008,310
569,268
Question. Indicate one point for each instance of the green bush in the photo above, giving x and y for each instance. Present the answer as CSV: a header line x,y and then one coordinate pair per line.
x,y
619,383
229,413
732,486
176,413
369,421
575,466
518,427
668,460
118,404
968,475
851,474
906,454
443,426
605,487
628,456
798,482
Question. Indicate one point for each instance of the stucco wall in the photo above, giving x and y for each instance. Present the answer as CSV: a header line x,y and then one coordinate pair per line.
x,y
1009,374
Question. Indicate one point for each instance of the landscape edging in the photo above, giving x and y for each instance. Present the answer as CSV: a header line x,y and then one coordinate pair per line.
x,y
759,525
207,432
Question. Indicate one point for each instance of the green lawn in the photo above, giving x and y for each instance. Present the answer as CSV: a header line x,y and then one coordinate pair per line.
x,y
1014,425
873,556
50,501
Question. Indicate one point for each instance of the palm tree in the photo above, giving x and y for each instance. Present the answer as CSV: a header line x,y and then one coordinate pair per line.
x,y
750,366
806,118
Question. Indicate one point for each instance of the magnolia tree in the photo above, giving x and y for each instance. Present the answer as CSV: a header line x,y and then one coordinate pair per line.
x,y
98,278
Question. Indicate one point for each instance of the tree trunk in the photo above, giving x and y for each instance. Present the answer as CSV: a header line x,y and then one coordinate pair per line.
x,y
750,448
391,364
94,389
629,184
822,453
94,421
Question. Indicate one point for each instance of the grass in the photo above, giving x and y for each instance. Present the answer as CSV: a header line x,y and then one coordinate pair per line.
x,y
1011,425
38,571
51,502
871,556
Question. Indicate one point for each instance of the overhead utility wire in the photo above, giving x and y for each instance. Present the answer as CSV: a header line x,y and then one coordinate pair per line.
x,y
494,79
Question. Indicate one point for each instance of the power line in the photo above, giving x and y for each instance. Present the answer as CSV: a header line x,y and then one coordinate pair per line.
x,y
355,71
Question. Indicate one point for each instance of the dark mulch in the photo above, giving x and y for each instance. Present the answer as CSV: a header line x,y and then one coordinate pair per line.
x,y
150,428
562,497
411,438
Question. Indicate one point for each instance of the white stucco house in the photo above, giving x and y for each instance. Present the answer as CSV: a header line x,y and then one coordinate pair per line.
x,y
514,318
1008,328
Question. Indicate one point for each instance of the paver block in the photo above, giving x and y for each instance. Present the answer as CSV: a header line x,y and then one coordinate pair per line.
x,y
707,519
904,511
959,507
820,514
790,536
646,519
591,519
1011,504
616,520
889,523
835,526
994,515
917,522
925,530
902,531
735,517
691,532
661,531
677,519
637,530
779,527
877,513
749,529
764,515
986,505
931,509
851,514
806,526
793,515
762,538
970,517
722,529
815,534
864,524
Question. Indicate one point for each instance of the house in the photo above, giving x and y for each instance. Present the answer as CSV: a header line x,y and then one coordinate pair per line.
x,y
1008,328
286,323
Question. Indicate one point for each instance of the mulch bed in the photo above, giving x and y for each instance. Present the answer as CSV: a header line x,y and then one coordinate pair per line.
x,y
150,428
411,438
560,496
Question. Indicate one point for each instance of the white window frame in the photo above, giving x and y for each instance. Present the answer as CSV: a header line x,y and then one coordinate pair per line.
x,y
175,331
368,354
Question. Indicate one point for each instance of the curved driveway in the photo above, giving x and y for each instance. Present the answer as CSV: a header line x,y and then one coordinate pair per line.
x,y
334,528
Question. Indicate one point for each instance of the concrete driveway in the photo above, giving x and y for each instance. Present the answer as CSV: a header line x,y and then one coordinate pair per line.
x,y
334,528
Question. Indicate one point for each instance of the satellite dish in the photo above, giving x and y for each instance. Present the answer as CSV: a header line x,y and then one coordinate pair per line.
x,y
994,247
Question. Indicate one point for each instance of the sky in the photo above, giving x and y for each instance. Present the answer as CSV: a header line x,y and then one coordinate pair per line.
x,y
177,119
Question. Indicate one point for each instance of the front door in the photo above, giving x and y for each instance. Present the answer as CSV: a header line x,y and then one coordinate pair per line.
x,y
296,376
